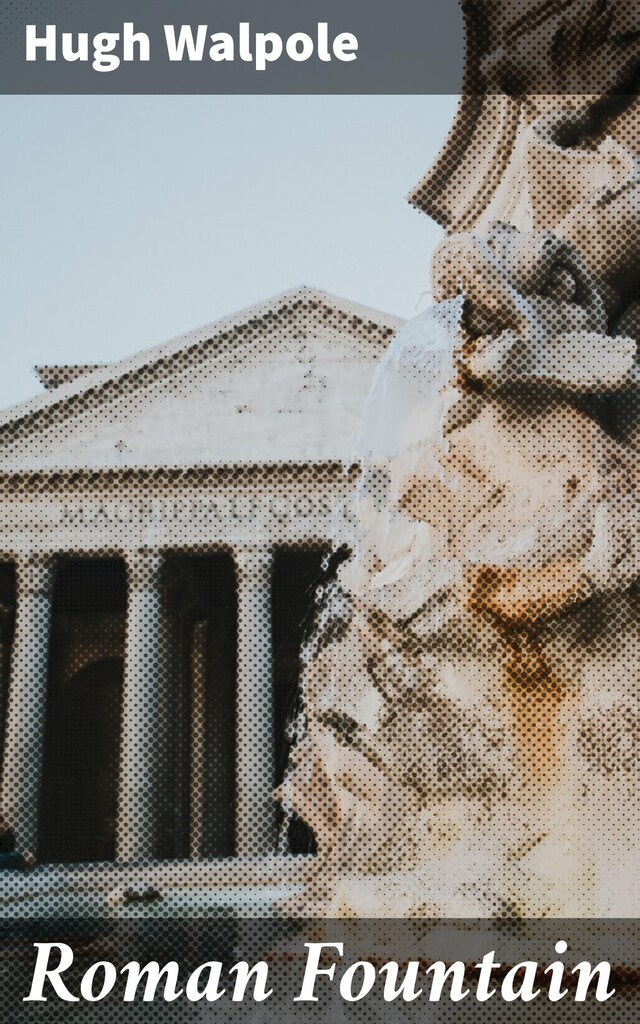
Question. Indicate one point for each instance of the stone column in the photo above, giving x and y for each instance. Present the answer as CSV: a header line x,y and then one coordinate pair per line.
x,y
139,746
255,812
198,745
25,722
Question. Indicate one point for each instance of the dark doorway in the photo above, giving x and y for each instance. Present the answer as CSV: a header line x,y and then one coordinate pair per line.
x,y
199,742
84,697
296,575
7,629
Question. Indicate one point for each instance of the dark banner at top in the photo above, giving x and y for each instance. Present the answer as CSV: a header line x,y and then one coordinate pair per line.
x,y
333,47
231,46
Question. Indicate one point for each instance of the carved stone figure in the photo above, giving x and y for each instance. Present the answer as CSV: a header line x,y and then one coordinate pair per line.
x,y
468,742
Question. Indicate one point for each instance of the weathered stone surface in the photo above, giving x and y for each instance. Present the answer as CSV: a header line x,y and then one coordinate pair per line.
x,y
471,733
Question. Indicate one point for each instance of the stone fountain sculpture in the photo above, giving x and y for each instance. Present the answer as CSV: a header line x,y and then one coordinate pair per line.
x,y
468,735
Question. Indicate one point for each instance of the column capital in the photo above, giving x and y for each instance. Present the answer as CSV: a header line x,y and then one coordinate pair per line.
x,y
253,561
143,568
34,574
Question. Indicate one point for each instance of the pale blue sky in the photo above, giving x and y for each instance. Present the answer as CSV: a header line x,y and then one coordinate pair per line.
x,y
127,220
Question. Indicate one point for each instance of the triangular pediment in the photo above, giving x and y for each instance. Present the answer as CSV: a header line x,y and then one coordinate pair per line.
x,y
281,382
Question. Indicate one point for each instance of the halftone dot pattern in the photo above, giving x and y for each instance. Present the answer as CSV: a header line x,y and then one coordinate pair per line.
x,y
141,696
482,702
25,715
432,710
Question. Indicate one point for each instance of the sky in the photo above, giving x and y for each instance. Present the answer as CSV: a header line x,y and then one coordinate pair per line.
x,y
127,220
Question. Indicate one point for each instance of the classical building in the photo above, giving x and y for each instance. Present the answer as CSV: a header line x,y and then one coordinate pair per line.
x,y
164,521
